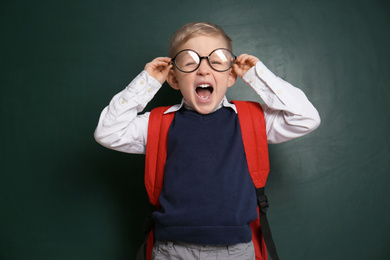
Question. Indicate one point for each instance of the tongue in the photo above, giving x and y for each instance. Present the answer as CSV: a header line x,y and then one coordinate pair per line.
x,y
203,92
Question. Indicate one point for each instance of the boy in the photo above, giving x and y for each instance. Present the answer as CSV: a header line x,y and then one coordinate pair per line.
x,y
208,198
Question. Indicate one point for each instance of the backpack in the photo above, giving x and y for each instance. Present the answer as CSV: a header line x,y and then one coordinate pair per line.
x,y
252,123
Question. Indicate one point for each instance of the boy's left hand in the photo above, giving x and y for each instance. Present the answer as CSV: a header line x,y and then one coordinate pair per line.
x,y
243,63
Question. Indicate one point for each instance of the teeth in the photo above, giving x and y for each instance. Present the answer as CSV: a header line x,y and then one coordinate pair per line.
x,y
204,86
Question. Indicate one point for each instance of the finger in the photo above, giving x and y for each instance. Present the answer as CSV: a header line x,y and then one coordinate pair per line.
x,y
160,61
252,60
241,57
244,60
159,65
237,70
165,59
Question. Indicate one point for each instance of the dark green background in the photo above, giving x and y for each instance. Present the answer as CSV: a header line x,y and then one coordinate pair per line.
x,y
63,196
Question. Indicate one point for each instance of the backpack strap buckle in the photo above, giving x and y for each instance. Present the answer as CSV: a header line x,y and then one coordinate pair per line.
x,y
262,201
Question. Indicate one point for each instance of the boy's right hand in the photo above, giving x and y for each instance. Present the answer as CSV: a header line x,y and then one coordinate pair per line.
x,y
159,68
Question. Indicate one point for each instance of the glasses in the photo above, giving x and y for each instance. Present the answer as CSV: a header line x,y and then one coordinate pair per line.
x,y
219,60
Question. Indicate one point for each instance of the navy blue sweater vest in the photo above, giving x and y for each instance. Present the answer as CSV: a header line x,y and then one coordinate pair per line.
x,y
208,196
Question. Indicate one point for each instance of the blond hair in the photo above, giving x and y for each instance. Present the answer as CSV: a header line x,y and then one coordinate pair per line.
x,y
190,30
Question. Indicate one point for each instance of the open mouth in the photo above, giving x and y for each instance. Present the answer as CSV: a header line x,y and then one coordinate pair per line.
x,y
204,91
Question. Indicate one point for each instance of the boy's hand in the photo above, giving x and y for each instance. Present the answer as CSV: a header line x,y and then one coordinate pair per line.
x,y
159,68
243,63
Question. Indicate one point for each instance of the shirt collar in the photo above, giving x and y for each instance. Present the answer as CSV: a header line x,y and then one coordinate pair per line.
x,y
224,103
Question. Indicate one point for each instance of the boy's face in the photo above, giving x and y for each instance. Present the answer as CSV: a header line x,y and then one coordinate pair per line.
x,y
204,88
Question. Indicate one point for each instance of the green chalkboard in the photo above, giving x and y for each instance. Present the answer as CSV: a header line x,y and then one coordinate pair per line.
x,y
63,196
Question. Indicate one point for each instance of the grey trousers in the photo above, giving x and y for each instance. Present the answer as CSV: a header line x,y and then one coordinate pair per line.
x,y
183,251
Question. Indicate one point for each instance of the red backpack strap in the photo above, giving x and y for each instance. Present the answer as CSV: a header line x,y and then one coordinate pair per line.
x,y
156,154
156,151
254,136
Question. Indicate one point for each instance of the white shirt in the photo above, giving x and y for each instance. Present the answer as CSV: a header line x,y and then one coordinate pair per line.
x,y
287,111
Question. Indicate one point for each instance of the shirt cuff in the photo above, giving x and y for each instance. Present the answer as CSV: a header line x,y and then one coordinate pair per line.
x,y
144,83
141,90
265,82
259,72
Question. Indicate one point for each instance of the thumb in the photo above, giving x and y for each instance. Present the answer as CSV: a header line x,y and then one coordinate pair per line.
x,y
236,71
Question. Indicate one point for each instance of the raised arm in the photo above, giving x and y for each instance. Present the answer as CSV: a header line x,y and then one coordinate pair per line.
x,y
120,127
288,112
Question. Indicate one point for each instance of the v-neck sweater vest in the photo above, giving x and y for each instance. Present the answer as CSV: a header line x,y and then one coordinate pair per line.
x,y
208,196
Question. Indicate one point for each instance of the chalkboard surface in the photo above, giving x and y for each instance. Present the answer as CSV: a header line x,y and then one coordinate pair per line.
x,y
63,196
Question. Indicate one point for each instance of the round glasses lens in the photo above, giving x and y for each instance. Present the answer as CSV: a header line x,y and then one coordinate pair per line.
x,y
221,59
187,60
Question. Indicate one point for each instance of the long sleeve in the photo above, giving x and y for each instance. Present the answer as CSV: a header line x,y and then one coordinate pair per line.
x,y
288,113
120,127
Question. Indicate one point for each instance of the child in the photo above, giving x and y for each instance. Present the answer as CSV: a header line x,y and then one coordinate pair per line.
x,y
208,198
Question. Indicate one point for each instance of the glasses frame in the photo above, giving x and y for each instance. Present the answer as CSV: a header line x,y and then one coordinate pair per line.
x,y
204,57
